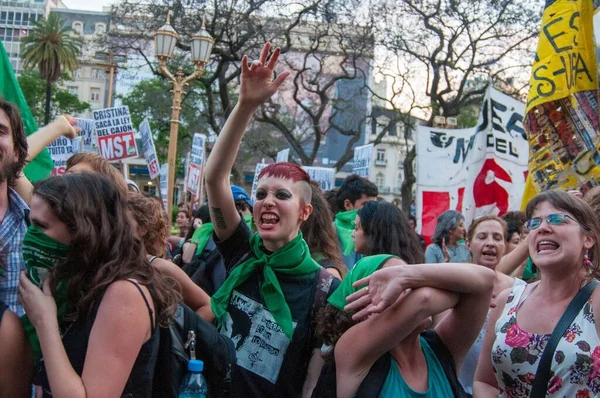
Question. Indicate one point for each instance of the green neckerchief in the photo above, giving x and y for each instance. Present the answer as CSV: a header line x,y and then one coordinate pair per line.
x,y
363,268
249,221
292,259
201,236
344,224
528,272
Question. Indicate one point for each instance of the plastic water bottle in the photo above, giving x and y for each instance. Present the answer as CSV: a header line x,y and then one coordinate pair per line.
x,y
194,384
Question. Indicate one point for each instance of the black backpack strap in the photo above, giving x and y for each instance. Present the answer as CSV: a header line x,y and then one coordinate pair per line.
x,y
373,383
542,376
446,361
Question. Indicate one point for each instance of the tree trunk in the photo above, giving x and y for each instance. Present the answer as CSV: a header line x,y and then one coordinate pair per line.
x,y
409,180
48,100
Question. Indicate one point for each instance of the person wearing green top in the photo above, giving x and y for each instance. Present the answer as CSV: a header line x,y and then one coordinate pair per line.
x,y
352,195
265,304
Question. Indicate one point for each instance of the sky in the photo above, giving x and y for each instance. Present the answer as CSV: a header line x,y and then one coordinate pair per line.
x,y
89,5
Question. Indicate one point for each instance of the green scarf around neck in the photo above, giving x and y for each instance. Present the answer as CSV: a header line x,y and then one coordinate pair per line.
x,y
344,224
363,268
201,236
292,259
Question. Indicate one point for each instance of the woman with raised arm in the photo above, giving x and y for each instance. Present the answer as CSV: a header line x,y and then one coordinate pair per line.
x,y
265,304
563,233
99,300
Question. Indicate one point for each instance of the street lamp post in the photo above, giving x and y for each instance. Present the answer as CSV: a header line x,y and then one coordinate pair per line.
x,y
164,42
113,63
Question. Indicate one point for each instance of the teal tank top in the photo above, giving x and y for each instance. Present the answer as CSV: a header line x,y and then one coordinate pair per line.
x,y
395,386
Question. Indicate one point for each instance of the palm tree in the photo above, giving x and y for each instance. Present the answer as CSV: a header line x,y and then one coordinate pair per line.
x,y
51,46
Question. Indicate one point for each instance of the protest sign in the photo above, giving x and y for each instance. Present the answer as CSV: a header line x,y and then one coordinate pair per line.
x,y
259,167
198,144
194,179
362,160
562,121
115,133
60,151
164,184
87,134
149,149
283,155
477,171
323,175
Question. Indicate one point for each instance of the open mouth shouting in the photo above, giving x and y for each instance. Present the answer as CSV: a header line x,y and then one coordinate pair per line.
x,y
546,246
268,220
489,253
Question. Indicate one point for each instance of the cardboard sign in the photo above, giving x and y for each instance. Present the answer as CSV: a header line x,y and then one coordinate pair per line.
x,y
476,171
194,179
164,184
149,149
362,160
259,167
87,134
117,146
60,151
283,155
323,175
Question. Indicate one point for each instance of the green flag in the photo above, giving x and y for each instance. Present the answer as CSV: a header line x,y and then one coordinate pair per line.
x,y
41,166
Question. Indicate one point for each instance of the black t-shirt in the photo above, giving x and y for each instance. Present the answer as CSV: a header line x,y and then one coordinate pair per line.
x,y
268,364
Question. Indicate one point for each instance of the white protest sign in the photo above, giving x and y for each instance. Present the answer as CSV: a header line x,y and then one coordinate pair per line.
x,y
325,176
87,134
149,149
60,151
283,155
198,144
194,179
115,133
259,167
477,171
362,160
164,184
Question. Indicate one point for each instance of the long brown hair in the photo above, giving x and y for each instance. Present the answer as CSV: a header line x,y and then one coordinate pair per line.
x,y
319,233
148,214
103,248
19,140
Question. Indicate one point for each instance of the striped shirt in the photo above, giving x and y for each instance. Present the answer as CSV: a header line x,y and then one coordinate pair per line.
x,y
12,232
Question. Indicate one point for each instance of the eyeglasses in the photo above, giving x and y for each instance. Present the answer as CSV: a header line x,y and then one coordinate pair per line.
x,y
551,219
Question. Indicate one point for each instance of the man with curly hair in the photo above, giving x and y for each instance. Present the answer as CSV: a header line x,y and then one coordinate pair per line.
x,y
13,210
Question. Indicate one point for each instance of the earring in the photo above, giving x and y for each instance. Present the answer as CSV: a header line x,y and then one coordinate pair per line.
x,y
586,260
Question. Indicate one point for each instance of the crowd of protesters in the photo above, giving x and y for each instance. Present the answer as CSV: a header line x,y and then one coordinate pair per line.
x,y
323,294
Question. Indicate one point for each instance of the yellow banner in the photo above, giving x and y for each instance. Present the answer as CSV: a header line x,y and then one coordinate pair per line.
x,y
565,62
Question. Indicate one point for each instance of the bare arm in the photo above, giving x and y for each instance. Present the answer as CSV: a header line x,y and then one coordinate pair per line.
x,y
47,134
257,86
510,262
484,383
16,363
193,296
361,345
312,375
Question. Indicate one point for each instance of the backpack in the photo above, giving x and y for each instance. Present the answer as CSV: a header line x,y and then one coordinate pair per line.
x,y
207,269
190,333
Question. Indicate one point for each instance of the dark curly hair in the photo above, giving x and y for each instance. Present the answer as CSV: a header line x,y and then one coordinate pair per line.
x,y
19,141
103,248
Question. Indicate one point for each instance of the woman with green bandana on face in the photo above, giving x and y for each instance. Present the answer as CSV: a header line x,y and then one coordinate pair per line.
x,y
101,301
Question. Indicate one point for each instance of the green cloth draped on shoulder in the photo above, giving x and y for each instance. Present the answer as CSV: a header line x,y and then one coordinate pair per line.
x,y
292,259
363,268
204,232
41,166
344,225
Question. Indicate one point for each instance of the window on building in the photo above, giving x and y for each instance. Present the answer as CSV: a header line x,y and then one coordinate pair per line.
x,y
381,123
72,89
16,34
33,19
100,28
78,27
94,94
380,155
97,73
3,17
8,34
11,17
78,73
25,18
379,181
18,18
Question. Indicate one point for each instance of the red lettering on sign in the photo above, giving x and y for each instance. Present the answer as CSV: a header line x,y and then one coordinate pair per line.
x,y
118,146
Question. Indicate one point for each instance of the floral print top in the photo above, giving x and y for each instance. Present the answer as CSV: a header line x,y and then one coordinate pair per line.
x,y
575,368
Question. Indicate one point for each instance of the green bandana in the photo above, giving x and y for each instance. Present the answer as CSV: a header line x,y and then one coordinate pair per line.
x,y
42,253
292,259
344,224
363,268
201,236
249,221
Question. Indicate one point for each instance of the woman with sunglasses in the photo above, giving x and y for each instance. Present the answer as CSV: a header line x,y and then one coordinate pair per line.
x,y
562,242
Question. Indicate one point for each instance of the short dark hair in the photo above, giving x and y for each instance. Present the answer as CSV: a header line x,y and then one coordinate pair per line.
x,y
412,218
19,139
353,188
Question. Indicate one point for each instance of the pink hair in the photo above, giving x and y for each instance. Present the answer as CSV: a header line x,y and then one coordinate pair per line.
x,y
287,170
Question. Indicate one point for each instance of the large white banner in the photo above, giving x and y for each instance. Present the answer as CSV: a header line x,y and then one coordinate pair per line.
x,y
477,171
